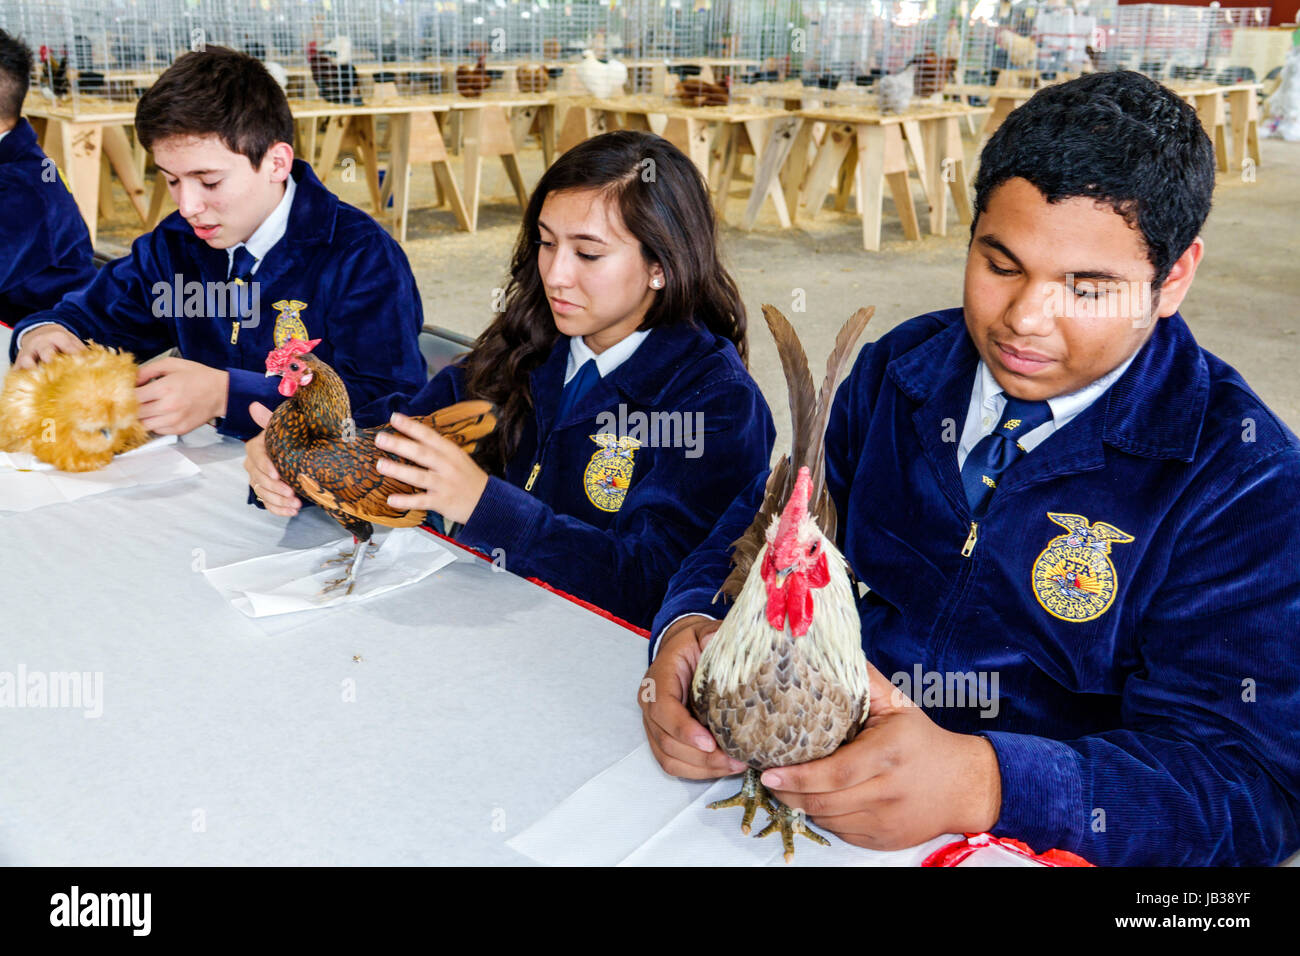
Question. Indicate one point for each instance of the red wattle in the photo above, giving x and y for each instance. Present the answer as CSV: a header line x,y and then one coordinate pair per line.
x,y
287,387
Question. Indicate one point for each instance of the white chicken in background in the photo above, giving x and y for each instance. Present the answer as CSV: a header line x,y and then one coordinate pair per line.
x,y
896,90
278,73
1022,52
601,79
1282,111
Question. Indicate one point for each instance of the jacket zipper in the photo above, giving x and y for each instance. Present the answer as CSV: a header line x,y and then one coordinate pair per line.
x,y
941,634
532,475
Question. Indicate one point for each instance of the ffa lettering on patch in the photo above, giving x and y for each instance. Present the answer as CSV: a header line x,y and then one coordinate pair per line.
x,y
288,321
1073,578
609,472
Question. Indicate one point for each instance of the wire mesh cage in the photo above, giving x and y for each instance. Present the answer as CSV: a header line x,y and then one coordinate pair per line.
x,y
1174,44
857,43
346,51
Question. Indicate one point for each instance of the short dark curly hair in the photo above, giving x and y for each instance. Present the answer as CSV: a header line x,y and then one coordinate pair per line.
x,y
15,76
217,91
1117,137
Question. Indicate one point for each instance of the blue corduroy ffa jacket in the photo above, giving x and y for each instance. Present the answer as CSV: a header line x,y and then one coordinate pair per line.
x,y
1134,585
45,249
335,275
609,522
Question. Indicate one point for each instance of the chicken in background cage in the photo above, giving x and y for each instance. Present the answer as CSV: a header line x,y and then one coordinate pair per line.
x,y
92,55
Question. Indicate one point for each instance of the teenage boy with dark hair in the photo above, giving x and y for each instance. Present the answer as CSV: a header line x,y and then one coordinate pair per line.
x,y
45,244
1134,581
257,252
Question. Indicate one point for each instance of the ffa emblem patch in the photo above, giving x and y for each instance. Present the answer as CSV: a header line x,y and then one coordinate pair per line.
x,y
609,472
1073,578
288,321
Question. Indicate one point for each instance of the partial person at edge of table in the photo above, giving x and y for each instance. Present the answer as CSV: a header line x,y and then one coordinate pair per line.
x,y
46,244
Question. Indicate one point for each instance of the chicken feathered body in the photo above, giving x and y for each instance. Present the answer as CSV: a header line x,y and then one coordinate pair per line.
x,y
772,698
336,78
318,451
473,80
896,90
783,680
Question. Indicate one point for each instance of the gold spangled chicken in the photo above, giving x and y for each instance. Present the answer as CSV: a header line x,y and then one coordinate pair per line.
x,y
784,680
318,450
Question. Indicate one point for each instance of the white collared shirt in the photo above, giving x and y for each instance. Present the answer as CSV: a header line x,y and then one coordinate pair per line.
x,y
6,133
269,232
606,361
987,401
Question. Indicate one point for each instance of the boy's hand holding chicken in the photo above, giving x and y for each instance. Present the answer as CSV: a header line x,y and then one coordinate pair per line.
x,y
901,781
43,343
265,481
178,395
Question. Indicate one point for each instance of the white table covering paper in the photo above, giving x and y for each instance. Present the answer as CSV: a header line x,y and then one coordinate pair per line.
x,y
634,814
27,483
293,581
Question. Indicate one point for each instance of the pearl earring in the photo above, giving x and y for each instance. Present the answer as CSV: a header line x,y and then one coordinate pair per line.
x,y
656,283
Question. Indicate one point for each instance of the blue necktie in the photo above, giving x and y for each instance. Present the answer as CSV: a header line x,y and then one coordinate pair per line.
x,y
997,452
578,386
241,266
241,272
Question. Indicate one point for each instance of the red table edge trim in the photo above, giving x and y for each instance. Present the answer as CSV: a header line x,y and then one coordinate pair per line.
x,y
952,854
595,609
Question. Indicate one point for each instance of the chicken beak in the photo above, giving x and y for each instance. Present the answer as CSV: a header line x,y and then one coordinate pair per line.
x,y
269,373
782,574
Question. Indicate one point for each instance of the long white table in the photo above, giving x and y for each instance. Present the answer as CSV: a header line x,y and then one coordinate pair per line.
x,y
481,700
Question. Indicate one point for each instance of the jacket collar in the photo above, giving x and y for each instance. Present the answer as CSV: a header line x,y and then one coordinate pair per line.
x,y
1155,409
642,381
20,142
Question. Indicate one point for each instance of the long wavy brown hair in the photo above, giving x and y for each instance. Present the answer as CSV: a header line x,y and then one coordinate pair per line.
x,y
665,204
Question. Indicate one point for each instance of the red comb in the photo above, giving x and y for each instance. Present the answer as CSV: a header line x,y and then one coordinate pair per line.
x,y
279,359
797,506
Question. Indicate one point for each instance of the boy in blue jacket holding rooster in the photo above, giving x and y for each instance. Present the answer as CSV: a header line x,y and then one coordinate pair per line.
x,y
257,252
1133,581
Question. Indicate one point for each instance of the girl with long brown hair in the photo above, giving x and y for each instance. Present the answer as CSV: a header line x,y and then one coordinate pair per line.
x,y
627,418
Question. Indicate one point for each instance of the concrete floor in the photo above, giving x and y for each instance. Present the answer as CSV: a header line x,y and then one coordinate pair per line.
x,y
1242,306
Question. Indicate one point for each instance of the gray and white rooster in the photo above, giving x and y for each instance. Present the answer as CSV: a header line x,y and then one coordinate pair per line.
x,y
784,679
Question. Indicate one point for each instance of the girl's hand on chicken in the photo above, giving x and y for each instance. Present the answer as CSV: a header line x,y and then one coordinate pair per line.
x,y
262,476
903,780
452,482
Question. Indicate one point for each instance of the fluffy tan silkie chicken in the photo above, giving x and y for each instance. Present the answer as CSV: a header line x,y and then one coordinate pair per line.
x,y
784,679
74,411
317,449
